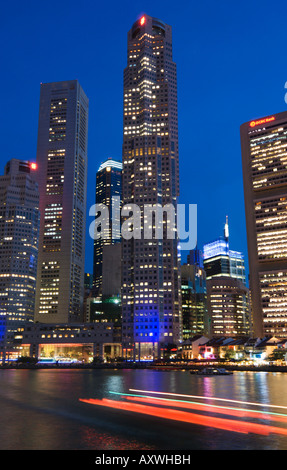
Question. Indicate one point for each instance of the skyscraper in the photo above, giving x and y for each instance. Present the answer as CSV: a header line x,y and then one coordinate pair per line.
x,y
227,294
108,187
151,298
264,160
19,232
219,260
194,298
62,176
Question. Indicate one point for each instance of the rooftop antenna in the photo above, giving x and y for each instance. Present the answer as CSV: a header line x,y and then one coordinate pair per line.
x,y
226,229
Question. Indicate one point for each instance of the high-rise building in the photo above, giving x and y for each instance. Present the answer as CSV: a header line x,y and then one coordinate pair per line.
x,y
62,176
108,189
228,307
219,260
227,295
264,160
151,293
194,298
19,232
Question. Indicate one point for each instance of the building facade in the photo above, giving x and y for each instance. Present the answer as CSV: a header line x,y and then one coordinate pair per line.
x,y
264,143
194,300
62,177
68,343
19,233
228,307
227,295
219,260
151,294
108,189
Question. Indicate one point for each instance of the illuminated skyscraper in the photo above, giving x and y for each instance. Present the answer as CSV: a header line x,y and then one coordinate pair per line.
x,y
108,187
62,176
227,294
264,160
219,260
151,294
19,232
194,298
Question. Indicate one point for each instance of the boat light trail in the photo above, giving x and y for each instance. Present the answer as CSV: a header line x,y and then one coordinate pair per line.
x,y
209,398
241,412
243,427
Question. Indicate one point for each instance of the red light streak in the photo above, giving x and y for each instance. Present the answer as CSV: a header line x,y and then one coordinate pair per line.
x,y
183,416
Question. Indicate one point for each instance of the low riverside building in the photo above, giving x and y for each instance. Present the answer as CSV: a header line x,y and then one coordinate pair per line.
x,y
72,342
244,348
189,349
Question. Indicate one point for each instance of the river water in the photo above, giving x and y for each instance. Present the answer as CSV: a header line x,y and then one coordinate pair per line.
x,y
43,410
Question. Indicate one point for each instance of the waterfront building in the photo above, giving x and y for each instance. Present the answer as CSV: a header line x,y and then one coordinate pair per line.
x,y
19,233
263,144
62,177
151,293
68,342
108,188
189,348
194,300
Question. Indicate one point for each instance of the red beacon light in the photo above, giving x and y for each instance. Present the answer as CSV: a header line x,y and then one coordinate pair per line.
x,y
142,20
33,166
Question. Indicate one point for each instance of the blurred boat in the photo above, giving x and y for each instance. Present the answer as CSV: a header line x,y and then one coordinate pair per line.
x,y
212,371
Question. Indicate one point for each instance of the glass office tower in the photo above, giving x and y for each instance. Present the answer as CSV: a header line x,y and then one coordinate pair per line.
x,y
62,177
19,236
219,260
264,160
108,188
151,294
194,300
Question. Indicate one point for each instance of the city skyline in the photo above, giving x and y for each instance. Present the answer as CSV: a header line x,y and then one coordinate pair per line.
x,y
205,83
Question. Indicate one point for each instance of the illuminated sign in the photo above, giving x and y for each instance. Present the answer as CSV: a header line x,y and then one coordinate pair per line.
x,y
262,121
33,166
142,21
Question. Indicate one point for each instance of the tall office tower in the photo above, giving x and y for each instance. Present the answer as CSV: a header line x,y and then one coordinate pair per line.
x,y
219,260
151,294
62,176
108,186
264,160
194,299
227,294
19,232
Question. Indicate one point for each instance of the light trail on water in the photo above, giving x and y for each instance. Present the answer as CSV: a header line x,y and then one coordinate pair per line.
x,y
239,426
208,398
241,412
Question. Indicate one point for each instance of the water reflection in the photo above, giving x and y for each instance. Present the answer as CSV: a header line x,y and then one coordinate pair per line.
x,y
40,409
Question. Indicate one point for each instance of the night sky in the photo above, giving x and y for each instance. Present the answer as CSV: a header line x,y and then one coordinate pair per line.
x,y
231,65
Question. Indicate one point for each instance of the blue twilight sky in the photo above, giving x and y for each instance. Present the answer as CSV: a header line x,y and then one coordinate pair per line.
x,y
232,67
